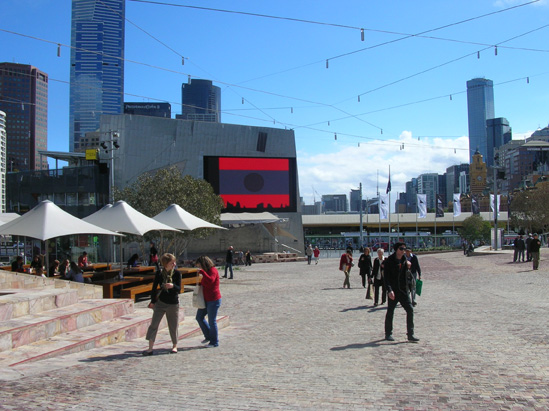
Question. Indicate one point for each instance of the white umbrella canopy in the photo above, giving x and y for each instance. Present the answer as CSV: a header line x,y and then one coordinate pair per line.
x,y
177,217
124,218
7,217
46,221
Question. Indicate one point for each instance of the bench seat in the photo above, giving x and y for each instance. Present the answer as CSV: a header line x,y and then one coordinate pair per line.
x,y
132,292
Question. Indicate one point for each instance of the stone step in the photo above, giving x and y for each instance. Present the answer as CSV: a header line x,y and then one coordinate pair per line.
x,y
16,302
125,328
30,328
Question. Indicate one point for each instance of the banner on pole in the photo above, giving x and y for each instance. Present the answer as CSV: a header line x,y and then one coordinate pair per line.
x,y
422,205
457,205
383,207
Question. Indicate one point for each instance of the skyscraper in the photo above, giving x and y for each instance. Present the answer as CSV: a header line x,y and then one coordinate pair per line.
x,y
24,99
3,162
480,107
201,101
498,133
97,64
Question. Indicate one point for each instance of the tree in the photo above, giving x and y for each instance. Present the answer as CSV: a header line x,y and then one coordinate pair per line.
x,y
529,209
475,228
151,194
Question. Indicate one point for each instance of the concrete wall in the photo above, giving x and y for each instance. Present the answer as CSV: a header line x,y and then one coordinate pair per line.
x,y
148,144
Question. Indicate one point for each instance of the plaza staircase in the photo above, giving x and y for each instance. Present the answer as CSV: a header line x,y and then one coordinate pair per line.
x,y
43,318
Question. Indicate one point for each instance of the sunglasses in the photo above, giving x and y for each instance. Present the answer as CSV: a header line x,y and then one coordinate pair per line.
x,y
402,248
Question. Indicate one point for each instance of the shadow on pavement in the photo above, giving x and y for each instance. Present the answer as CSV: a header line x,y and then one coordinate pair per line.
x,y
376,343
132,354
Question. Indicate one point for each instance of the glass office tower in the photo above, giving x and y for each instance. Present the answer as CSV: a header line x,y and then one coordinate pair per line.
x,y
480,107
97,64
201,101
24,99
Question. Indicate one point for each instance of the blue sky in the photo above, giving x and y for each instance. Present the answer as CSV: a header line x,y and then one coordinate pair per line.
x,y
279,68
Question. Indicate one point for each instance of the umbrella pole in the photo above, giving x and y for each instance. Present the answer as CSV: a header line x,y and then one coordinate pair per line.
x,y
47,260
121,261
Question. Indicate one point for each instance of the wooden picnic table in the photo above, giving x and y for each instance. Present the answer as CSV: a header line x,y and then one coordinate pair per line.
x,y
97,267
110,284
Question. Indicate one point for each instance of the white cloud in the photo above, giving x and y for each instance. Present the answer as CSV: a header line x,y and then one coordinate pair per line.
x,y
344,167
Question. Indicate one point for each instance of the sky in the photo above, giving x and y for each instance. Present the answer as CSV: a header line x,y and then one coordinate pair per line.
x,y
395,99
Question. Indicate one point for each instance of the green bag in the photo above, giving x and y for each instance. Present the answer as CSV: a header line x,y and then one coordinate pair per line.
x,y
419,286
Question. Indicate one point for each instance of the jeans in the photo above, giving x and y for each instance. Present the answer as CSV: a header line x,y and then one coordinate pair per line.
x,y
209,328
404,300
230,267
309,257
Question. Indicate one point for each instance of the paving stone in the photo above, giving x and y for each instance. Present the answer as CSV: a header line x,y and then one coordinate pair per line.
x,y
298,341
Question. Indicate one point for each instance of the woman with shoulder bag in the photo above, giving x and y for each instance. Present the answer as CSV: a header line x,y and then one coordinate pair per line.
x,y
165,301
210,285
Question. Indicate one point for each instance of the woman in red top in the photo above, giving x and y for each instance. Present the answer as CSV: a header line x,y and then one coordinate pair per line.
x,y
210,285
345,264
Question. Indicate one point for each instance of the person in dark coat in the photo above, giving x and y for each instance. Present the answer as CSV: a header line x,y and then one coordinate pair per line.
x,y
18,265
365,266
415,269
396,284
520,246
229,262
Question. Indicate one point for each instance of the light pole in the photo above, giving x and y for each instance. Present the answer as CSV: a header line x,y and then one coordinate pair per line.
x,y
109,146
496,205
360,208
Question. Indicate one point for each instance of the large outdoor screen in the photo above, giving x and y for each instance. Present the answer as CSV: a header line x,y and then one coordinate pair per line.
x,y
253,184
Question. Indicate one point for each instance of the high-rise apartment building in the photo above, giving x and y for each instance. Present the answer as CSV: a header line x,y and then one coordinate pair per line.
x,y
334,203
201,101
480,107
498,133
97,64
428,184
3,162
453,185
24,99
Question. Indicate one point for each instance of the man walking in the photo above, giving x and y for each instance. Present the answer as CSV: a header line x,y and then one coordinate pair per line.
x,y
394,268
535,245
229,262
520,246
415,270
309,253
527,242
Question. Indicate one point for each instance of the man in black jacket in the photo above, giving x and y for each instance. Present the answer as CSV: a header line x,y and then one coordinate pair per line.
x,y
229,262
415,270
394,268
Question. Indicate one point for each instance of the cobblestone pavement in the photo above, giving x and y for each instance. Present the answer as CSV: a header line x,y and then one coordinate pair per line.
x,y
297,340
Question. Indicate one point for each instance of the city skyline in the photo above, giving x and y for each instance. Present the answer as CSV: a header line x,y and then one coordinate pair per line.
x,y
356,106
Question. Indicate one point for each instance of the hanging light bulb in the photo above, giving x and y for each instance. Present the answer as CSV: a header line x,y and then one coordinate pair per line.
x,y
242,100
189,79
403,146
496,50
362,34
335,136
359,144
182,61
450,97
527,80
326,63
58,50
454,151
478,54
359,98
417,138
381,130
292,110
328,123
22,107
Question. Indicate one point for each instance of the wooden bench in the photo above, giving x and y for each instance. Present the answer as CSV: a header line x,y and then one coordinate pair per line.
x,y
132,292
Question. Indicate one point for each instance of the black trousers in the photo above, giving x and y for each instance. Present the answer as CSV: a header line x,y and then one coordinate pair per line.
x,y
377,285
404,300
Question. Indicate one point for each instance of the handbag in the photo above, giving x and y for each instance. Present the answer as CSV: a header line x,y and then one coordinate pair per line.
x,y
198,297
419,286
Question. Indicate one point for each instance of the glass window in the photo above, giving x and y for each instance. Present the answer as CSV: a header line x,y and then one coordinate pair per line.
x,y
72,199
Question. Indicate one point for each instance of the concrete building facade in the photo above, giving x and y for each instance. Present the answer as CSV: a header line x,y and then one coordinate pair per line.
x,y
186,144
2,162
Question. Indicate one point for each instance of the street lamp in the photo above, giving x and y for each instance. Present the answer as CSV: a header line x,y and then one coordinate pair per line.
x,y
109,146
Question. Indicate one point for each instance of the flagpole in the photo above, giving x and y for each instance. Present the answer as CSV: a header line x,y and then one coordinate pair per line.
x,y
398,218
417,232
389,192
379,210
